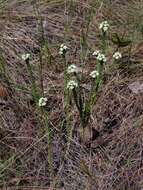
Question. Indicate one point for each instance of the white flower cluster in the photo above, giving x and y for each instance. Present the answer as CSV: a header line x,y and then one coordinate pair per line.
x,y
101,57
42,101
96,52
117,55
72,69
104,26
94,74
25,56
63,49
72,84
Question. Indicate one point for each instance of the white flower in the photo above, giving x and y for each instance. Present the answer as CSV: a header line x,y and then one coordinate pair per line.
x,y
101,57
104,26
94,74
72,69
96,52
63,49
42,101
72,84
117,55
25,56
63,46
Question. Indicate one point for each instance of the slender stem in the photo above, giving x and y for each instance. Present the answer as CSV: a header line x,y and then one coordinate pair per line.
x,y
104,42
34,87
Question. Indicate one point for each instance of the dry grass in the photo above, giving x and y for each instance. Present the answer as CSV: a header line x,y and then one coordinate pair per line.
x,y
114,160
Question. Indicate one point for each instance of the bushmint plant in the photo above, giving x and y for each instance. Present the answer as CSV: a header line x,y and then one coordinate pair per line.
x,y
72,84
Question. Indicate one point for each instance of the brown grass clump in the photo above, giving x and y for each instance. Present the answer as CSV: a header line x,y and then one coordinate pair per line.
x,y
113,160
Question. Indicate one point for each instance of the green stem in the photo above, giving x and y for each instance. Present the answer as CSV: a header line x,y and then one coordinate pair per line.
x,y
34,87
104,42
49,139
97,84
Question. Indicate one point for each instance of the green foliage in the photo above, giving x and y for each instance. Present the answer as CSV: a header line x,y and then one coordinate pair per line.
x,y
120,41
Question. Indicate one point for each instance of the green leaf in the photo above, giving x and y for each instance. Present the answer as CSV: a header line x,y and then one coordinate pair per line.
x,y
115,38
84,168
125,43
120,41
